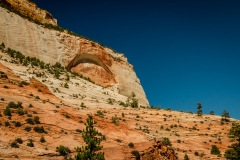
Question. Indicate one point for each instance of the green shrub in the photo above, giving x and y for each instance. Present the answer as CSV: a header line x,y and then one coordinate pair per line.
x,y
18,124
39,129
19,140
20,111
30,143
131,145
7,111
166,141
30,121
42,140
215,150
14,145
36,120
28,128
7,123
63,150
136,154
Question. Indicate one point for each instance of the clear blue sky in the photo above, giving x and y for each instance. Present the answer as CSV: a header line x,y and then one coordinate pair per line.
x,y
183,52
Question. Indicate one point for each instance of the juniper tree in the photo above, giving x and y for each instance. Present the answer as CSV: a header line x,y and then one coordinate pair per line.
x,y
92,139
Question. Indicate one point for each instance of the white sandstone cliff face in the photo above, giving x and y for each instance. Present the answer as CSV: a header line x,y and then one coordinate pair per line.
x,y
102,65
30,9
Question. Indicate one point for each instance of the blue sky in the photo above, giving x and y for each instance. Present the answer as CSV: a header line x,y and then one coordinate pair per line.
x,y
183,52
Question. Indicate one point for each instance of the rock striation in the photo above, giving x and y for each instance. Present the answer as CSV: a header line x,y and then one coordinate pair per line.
x,y
101,64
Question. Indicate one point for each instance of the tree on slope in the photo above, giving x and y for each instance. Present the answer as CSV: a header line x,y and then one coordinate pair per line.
x,y
225,116
199,107
186,157
92,140
234,152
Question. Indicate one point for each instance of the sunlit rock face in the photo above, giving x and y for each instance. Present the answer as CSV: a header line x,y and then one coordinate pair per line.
x,y
101,64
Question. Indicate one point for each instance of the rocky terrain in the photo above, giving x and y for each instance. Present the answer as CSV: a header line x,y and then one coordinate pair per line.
x,y
67,77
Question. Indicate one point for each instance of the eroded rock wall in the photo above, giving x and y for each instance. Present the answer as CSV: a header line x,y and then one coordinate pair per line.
x,y
30,9
102,65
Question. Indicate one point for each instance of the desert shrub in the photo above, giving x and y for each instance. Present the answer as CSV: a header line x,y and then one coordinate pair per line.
x,y
30,121
42,140
166,141
14,145
13,105
27,128
131,145
196,153
7,111
67,116
115,120
18,124
136,154
179,141
36,120
30,143
39,129
19,140
7,123
20,111
63,151
99,114
66,85
79,130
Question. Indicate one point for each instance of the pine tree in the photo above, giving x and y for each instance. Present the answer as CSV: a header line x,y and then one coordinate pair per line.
x,y
199,107
225,116
186,157
91,138
234,152
215,150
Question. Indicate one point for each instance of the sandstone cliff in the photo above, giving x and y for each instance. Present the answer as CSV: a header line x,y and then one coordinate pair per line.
x,y
101,64
29,9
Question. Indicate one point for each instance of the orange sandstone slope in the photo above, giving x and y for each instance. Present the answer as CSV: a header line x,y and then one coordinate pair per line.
x,y
62,123
63,120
